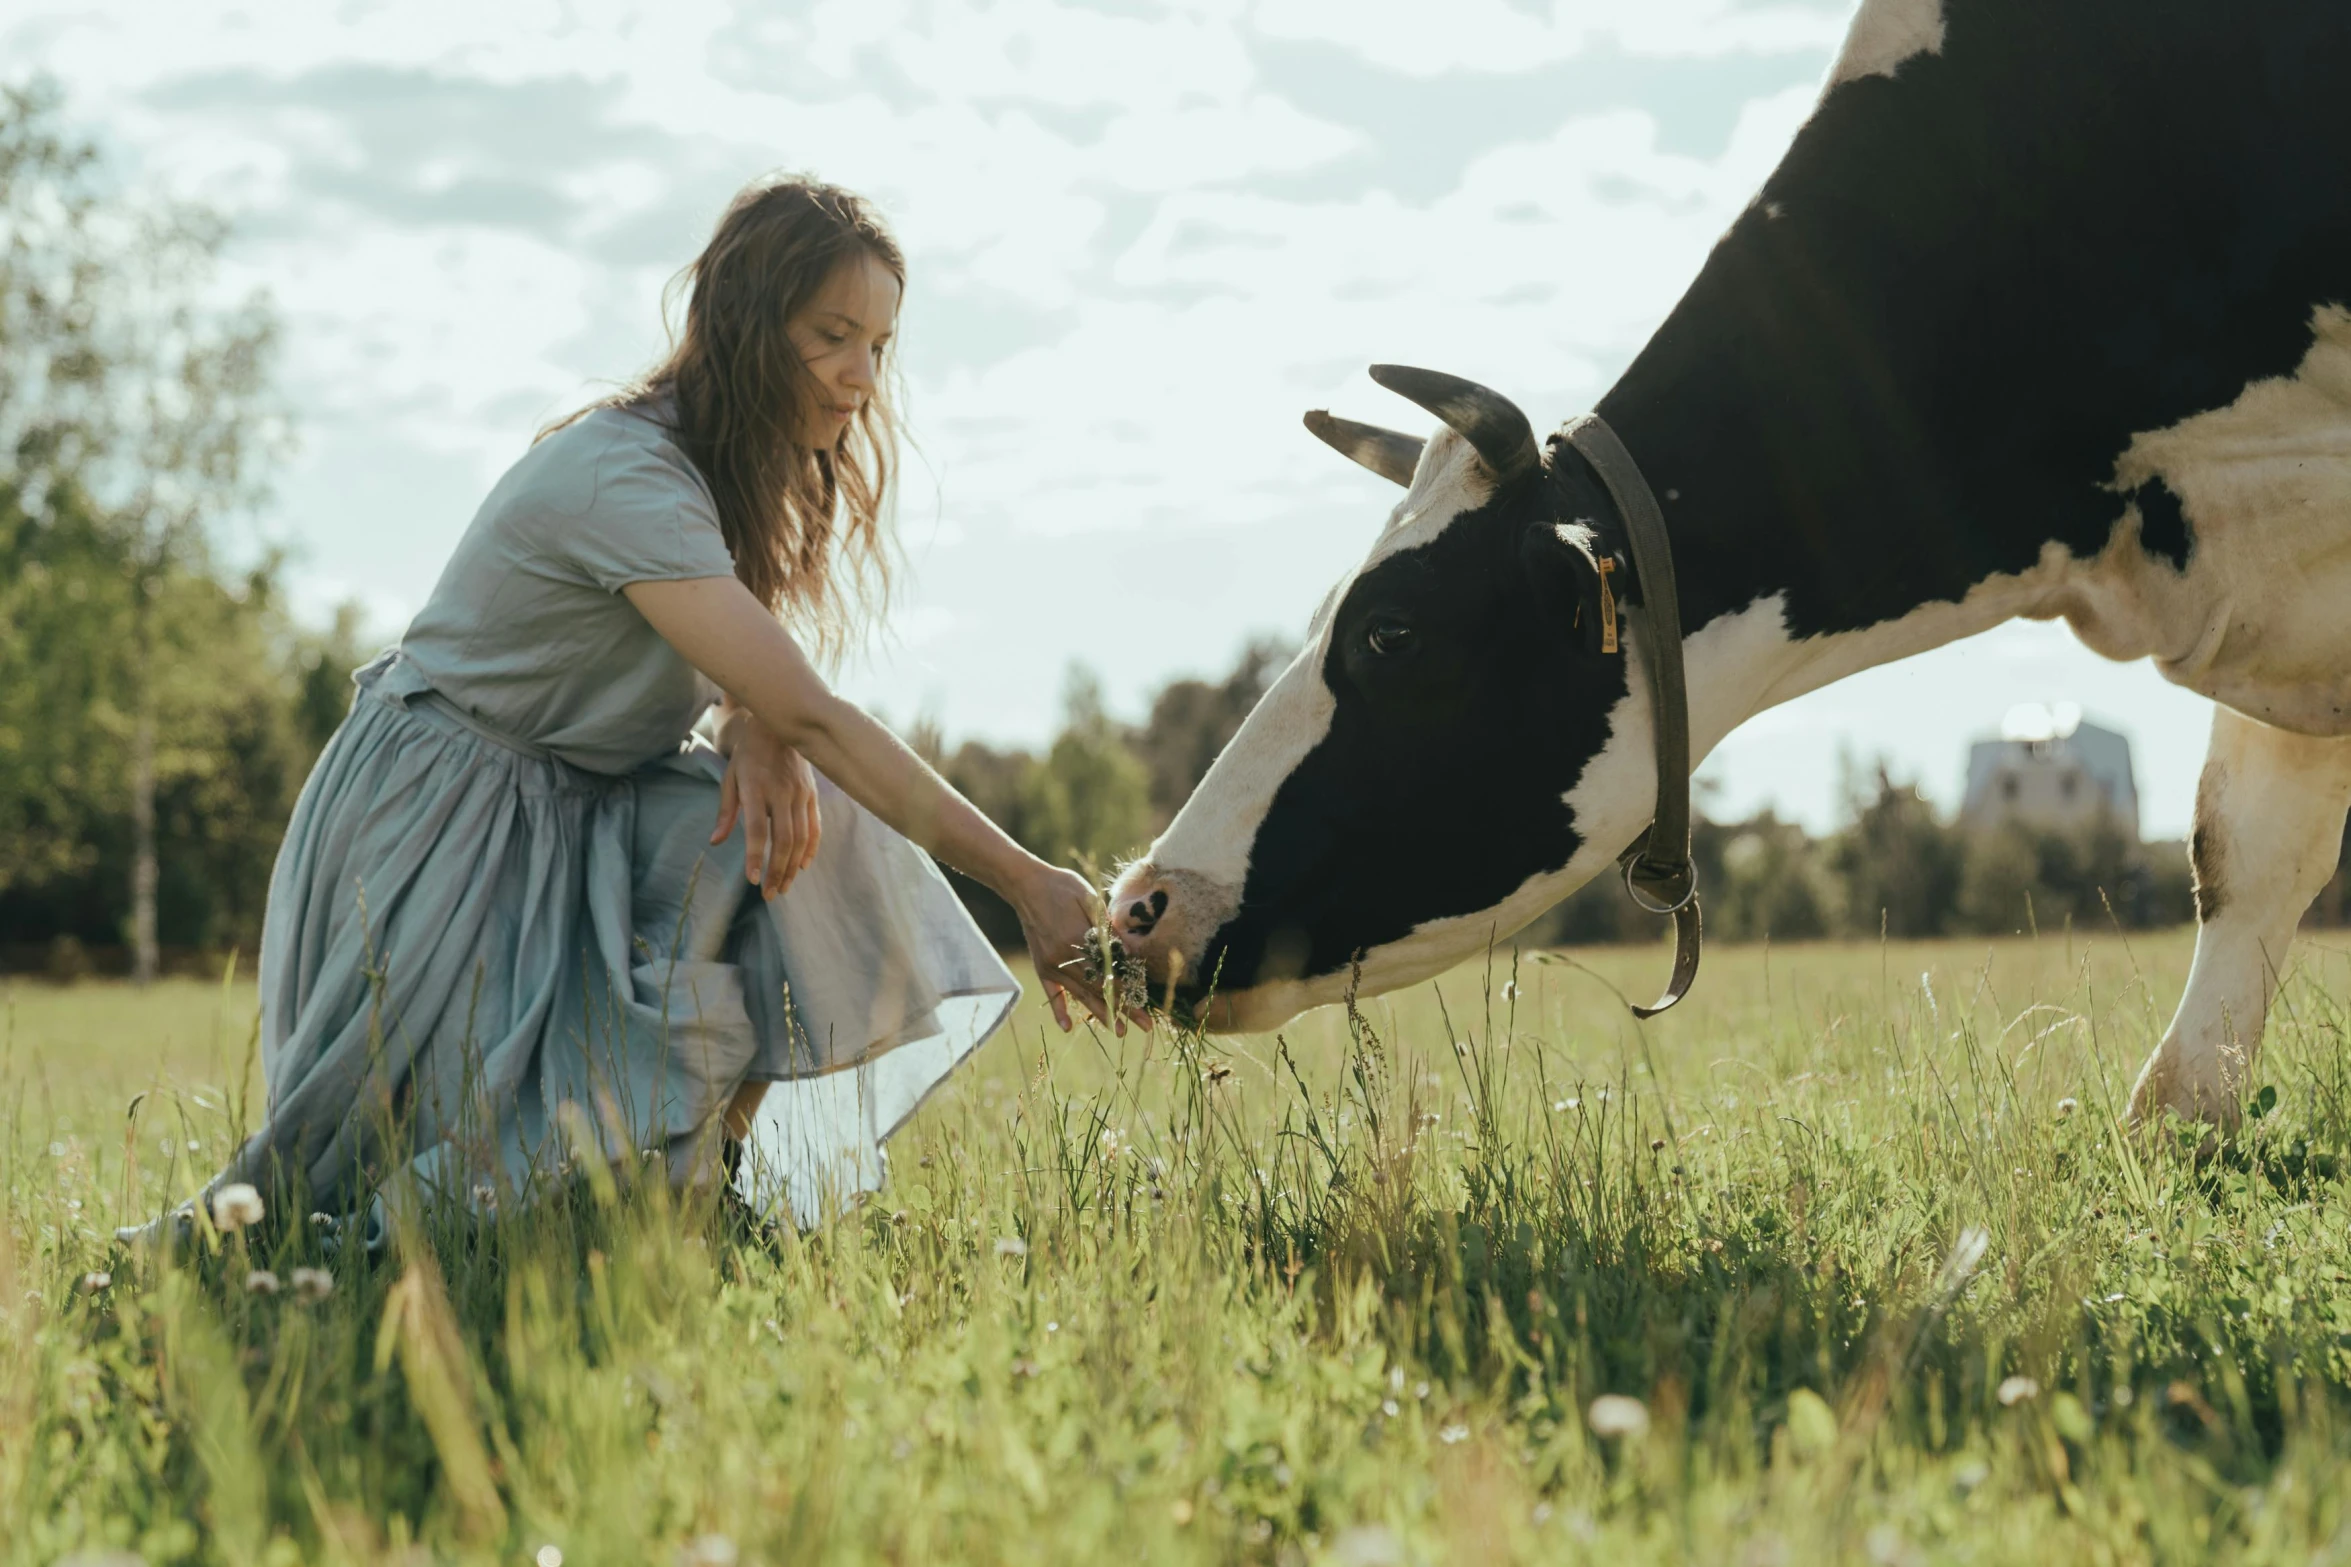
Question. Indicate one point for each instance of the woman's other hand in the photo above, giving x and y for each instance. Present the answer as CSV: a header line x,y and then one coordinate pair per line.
x,y
719,628
772,789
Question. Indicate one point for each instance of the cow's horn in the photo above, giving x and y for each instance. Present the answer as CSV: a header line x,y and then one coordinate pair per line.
x,y
1489,421
1387,453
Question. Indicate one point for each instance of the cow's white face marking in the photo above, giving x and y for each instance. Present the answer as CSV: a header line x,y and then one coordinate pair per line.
x,y
1204,854
1448,483
1211,834
1886,33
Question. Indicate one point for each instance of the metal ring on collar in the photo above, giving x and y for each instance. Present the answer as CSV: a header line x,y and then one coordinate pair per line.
x,y
1686,875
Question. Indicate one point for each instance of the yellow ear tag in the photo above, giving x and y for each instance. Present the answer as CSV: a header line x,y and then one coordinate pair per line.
x,y
1607,564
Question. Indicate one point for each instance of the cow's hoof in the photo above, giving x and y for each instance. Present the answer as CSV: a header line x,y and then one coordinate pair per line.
x,y
2167,1089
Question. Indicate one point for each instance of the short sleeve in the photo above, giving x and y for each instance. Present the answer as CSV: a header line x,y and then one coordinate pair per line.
x,y
649,518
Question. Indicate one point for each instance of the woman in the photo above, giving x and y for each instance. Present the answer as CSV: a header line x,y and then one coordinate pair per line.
x,y
498,940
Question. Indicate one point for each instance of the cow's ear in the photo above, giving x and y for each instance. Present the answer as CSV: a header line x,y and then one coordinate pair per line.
x,y
1564,572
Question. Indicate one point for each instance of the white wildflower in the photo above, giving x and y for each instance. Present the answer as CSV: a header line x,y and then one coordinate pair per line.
x,y
708,1550
1453,1433
261,1282
312,1285
235,1206
548,1555
1613,1414
2067,1106
2018,1390
96,1280
1011,1246
1368,1545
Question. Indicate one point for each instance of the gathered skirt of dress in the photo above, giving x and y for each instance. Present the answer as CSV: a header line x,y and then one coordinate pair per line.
x,y
483,965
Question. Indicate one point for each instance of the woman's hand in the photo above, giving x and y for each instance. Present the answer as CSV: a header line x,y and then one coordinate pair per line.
x,y
1058,909
1060,914
773,789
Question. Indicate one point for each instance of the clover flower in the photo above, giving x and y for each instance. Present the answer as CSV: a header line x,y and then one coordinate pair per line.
x,y
1613,1415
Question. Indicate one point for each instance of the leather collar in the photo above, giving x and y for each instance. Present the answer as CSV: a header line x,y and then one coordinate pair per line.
x,y
1658,873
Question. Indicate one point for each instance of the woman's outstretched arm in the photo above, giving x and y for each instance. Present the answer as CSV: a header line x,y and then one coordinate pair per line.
x,y
719,628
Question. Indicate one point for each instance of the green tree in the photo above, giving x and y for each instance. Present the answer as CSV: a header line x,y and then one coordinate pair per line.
x,y
1089,803
1767,880
2017,877
133,403
64,631
1897,861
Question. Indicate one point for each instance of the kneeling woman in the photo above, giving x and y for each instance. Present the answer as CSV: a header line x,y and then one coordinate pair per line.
x,y
500,939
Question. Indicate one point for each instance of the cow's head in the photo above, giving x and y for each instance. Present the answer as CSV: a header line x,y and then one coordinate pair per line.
x,y
1414,786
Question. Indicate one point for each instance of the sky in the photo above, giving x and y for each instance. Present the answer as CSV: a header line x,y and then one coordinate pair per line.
x,y
1143,237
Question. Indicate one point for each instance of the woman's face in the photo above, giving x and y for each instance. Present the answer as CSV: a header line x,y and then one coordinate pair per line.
x,y
840,333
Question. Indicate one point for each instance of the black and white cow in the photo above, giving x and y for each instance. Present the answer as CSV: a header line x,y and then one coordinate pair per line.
x,y
2044,314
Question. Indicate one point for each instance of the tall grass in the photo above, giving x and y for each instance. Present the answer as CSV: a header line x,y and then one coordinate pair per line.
x,y
1854,1231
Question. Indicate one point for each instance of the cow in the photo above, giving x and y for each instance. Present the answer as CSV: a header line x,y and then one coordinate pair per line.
x,y
2046,313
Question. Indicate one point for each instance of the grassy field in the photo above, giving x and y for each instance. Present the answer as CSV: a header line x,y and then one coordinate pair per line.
x,y
1851,1237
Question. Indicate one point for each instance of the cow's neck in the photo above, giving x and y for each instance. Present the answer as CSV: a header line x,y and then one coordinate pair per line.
x,y
1812,532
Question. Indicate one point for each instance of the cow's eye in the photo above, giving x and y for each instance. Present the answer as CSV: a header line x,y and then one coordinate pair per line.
x,y
1388,636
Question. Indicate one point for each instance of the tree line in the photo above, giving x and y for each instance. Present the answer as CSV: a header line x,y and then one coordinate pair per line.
x,y
157,711
1898,868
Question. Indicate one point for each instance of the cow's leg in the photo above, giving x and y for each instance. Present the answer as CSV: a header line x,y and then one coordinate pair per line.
x,y
2269,824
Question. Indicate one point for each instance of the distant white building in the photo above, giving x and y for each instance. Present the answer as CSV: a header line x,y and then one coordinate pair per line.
x,y
2050,769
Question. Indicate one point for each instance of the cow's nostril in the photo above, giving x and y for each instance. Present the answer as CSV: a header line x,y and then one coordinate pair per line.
x,y
1158,903
1140,919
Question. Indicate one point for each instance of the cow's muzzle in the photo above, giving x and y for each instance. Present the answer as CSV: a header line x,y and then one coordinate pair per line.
x,y
1165,919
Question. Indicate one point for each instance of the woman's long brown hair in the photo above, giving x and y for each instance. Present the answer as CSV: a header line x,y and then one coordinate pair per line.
x,y
808,527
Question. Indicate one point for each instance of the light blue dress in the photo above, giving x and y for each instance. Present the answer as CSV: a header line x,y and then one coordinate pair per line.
x,y
498,939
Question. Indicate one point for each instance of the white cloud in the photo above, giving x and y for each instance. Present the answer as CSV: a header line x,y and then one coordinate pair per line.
x,y
1496,35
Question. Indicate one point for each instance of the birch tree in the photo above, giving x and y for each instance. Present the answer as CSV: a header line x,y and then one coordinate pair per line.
x,y
132,390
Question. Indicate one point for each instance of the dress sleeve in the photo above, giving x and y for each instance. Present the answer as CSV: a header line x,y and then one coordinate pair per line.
x,y
651,520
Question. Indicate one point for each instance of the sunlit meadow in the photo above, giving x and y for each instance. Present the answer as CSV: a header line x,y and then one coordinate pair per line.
x,y
1845,1259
